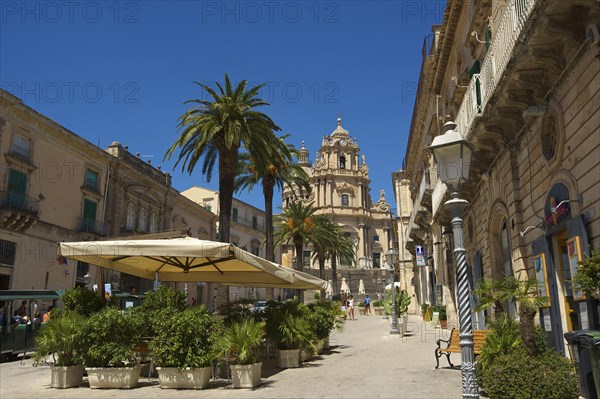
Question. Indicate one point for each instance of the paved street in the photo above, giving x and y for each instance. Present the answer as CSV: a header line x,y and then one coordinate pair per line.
x,y
364,361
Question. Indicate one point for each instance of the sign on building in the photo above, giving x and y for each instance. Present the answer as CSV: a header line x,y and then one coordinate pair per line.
x,y
421,260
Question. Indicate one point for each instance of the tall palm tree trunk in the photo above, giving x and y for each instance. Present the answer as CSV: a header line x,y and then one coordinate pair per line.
x,y
322,271
299,244
334,273
227,168
268,185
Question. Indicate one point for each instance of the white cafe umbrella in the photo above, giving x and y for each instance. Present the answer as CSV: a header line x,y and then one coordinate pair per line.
x,y
361,287
186,259
344,288
329,289
396,284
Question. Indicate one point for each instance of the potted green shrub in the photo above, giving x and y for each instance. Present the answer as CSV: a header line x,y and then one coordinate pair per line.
x,y
241,341
82,301
108,341
289,331
402,303
322,318
184,348
61,339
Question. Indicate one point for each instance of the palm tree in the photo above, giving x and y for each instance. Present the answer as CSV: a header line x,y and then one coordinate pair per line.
x,y
525,294
278,171
322,239
343,249
296,225
219,128
492,293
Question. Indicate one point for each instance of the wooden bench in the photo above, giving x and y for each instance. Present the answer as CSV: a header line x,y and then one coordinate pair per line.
x,y
453,345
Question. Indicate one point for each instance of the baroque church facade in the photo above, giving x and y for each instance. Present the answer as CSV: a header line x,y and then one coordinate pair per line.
x,y
339,177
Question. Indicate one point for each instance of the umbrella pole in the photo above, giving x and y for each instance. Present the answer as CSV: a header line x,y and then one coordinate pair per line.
x,y
155,281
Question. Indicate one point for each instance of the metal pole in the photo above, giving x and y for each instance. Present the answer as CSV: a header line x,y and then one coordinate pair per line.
x,y
468,367
394,329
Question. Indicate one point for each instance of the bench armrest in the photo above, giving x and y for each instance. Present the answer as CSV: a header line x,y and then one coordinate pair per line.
x,y
439,341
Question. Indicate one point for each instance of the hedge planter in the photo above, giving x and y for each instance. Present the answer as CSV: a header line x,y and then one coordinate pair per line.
x,y
66,376
288,358
305,355
246,375
320,346
379,310
326,343
402,324
113,377
362,311
173,378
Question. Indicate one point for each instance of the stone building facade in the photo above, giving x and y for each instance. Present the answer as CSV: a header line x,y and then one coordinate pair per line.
x,y
339,178
521,79
56,186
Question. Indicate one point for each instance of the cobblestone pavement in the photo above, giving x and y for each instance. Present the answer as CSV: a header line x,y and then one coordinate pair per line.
x,y
364,361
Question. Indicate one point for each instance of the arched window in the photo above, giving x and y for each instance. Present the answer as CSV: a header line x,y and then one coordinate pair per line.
x,y
142,221
345,200
342,162
130,216
153,223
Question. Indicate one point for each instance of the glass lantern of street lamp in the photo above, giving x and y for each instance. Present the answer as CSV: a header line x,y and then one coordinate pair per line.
x,y
391,258
452,154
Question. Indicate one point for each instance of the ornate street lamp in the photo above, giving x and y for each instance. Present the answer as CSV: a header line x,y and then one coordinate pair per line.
x,y
452,154
391,257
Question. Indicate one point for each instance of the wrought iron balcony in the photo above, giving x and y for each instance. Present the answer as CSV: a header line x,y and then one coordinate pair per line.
x,y
20,202
90,225
482,85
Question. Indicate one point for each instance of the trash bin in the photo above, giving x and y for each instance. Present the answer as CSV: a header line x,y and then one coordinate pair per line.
x,y
591,341
582,357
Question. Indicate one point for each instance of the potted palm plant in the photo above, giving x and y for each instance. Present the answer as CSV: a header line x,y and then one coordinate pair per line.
x,y
241,341
108,342
286,327
61,339
184,348
378,307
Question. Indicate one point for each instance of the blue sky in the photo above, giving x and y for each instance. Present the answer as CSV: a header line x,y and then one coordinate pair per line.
x,y
121,70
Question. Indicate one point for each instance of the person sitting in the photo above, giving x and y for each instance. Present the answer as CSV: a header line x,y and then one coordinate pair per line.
x,y
46,317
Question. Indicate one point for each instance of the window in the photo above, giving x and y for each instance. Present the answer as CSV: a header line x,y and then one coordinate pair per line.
x,y
8,250
89,215
21,146
17,187
142,220
91,179
549,137
83,268
254,222
153,223
376,260
306,258
256,251
208,206
130,216
375,238
345,200
234,214
342,162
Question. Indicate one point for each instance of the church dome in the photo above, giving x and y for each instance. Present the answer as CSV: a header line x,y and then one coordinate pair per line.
x,y
339,130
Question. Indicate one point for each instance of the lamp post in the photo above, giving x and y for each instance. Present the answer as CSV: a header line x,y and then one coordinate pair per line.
x,y
452,153
383,282
391,257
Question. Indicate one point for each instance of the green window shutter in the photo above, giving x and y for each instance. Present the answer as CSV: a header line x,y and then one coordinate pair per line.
x,y
487,34
89,211
17,181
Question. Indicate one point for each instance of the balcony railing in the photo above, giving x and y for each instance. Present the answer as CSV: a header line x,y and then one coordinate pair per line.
x,y
89,225
483,85
14,200
249,223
